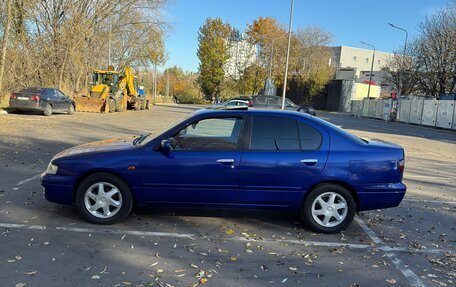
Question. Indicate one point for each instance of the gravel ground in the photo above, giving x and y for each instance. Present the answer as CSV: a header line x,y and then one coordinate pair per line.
x,y
45,244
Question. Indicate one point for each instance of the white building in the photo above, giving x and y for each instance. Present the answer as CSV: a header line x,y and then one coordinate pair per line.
x,y
242,54
357,60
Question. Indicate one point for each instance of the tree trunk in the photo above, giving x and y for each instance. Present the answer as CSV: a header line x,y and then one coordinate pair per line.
x,y
5,41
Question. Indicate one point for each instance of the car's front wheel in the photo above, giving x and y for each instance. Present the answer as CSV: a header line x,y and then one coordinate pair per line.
x,y
104,199
71,109
329,208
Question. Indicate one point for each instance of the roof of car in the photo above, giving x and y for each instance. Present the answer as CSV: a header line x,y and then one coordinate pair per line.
x,y
250,111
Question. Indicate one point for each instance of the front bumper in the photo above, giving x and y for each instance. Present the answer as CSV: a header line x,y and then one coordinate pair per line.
x,y
58,188
378,196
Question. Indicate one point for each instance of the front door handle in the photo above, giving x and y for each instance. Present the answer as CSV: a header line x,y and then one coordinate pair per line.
x,y
225,161
309,161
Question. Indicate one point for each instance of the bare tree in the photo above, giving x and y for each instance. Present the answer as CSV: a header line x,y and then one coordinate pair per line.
x,y
58,42
401,74
6,32
434,52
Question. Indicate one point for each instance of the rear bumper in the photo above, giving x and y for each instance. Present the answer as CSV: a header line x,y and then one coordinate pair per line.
x,y
57,188
378,196
25,105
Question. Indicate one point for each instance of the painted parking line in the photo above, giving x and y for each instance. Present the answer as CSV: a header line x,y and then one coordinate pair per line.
x,y
36,176
96,230
412,278
307,243
429,201
406,176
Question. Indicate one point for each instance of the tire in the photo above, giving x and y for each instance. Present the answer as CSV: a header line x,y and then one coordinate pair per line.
x,y
313,214
111,105
71,110
47,110
118,103
88,195
137,104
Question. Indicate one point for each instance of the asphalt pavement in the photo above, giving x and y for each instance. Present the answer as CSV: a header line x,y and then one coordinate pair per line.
x,y
46,244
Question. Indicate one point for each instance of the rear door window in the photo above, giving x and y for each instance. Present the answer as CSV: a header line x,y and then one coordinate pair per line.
x,y
273,133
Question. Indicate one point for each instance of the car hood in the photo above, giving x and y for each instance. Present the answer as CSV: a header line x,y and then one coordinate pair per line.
x,y
99,146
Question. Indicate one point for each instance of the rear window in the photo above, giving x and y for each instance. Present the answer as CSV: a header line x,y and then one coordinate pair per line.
x,y
341,131
260,100
33,90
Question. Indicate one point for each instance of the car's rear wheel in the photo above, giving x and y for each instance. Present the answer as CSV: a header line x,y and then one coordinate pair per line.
x,y
47,110
104,199
329,208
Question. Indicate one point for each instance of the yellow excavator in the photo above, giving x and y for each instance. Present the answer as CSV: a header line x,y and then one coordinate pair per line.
x,y
111,91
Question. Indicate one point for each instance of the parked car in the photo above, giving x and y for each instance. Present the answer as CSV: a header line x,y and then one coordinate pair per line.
x,y
45,100
246,99
238,159
273,102
232,104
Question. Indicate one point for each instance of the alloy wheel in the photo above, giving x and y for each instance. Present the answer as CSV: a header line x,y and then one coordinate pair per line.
x,y
329,209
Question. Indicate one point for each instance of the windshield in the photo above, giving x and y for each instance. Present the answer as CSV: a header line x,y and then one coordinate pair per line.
x,y
289,103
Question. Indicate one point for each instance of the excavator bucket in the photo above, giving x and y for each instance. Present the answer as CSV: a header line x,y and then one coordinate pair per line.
x,y
91,105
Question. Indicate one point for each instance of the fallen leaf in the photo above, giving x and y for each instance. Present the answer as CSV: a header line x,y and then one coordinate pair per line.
x,y
230,231
95,277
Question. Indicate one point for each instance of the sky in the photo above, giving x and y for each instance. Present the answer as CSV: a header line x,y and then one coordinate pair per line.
x,y
351,21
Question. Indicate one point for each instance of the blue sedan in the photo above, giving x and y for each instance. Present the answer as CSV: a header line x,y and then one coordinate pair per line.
x,y
234,159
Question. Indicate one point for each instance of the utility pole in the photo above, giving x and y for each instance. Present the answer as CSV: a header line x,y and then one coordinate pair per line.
x,y
403,59
372,67
154,83
109,45
288,55
167,83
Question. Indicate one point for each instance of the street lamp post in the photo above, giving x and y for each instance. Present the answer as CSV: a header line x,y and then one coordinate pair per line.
x,y
372,68
288,55
403,57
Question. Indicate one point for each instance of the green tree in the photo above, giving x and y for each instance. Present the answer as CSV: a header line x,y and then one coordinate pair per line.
x,y
213,54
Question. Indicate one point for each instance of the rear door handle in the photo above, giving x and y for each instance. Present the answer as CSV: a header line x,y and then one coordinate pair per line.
x,y
225,161
309,161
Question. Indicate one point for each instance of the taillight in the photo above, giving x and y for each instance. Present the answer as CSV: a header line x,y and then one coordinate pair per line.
x,y
401,165
35,98
250,103
13,96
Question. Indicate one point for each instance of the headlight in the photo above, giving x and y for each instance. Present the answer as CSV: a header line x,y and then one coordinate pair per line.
x,y
51,169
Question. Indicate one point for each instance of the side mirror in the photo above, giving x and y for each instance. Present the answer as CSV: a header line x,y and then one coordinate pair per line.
x,y
165,145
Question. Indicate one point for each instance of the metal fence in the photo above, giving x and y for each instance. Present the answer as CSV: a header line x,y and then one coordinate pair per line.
x,y
426,112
